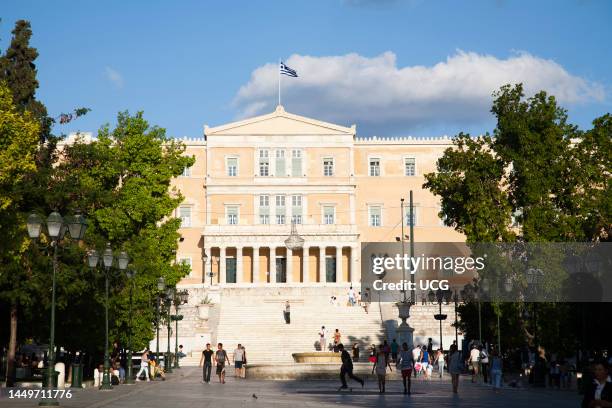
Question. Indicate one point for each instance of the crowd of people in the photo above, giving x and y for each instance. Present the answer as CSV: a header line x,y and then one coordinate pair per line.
x,y
220,360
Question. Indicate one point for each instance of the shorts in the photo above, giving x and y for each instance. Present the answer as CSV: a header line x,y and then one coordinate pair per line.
x,y
220,368
424,366
406,372
238,364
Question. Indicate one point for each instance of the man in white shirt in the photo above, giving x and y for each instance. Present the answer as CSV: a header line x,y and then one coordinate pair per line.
x,y
474,361
323,338
352,296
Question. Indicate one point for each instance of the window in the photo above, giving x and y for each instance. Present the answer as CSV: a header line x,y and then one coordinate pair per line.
x,y
409,166
186,262
296,163
280,163
264,209
232,214
186,172
264,163
375,216
407,220
375,167
280,209
328,167
328,214
185,216
296,209
232,166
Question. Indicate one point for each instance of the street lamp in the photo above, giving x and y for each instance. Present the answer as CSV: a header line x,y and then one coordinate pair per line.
x,y
456,301
56,228
130,273
170,293
161,286
438,296
181,298
108,259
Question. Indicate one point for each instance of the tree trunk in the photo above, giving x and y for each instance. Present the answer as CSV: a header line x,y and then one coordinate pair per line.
x,y
10,365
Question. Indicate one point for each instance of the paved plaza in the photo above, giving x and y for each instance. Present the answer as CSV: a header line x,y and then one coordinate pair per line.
x,y
183,389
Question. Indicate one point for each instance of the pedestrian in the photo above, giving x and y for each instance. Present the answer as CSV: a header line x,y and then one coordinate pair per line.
x,y
372,357
144,366
599,392
238,361
484,364
455,365
416,357
287,313
244,361
347,368
323,338
386,349
394,350
430,345
352,298
220,360
355,352
380,366
337,337
365,300
473,361
425,362
496,370
206,358
180,353
440,362
406,364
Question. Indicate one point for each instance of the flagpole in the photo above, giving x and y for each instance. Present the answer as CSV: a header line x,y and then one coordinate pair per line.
x,y
279,80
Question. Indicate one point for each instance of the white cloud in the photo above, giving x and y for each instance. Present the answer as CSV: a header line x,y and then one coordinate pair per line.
x,y
114,77
380,96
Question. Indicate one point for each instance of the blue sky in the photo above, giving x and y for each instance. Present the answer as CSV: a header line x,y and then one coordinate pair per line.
x,y
393,67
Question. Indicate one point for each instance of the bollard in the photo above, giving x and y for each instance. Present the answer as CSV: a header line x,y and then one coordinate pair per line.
x,y
77,376
45,380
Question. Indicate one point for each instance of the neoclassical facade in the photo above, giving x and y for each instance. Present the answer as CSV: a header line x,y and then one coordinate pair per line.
x,y
253,178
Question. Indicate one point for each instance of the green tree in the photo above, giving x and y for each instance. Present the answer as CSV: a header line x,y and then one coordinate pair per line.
x,y
18,145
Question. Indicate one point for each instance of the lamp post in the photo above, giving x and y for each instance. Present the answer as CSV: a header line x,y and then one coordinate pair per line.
x,y
456,301
129,377
439,297
181,298
161,285
170,293
56,228
108,260
404,331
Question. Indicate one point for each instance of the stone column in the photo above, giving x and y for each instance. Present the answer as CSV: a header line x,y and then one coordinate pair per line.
x,y
338,264
239,264
289,265
305,264
272,264
206,267
255,264
323,275
355,271
222,270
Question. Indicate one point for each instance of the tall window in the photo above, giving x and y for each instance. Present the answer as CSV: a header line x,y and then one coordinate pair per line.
x,y
264,209
328,214
264,163
186,171
296,163
328,167
409,166
185,215
232,166
280,163
232,214
296,209
375,167
375,216
410,221
280,209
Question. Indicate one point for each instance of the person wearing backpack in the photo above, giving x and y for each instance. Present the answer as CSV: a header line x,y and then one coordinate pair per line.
x,y
220,359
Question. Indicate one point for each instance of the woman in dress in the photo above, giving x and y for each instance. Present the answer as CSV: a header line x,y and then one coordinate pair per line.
x,y
380,366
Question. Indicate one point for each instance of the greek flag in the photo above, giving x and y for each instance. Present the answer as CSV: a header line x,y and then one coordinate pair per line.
x,y
285,70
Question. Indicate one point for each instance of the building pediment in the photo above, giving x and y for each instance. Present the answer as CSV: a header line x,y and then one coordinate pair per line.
x,y
279,122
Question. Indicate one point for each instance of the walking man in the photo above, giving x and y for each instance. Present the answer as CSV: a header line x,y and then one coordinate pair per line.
x,y
220,360
347,368
238,361
207,360
323,338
